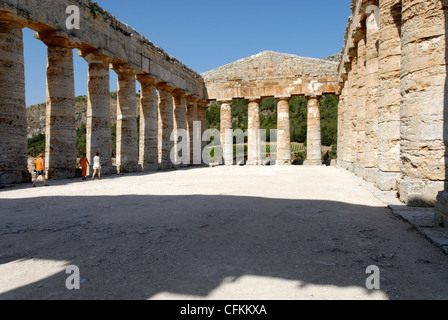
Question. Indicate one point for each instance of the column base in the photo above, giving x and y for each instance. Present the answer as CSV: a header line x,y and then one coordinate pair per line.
x,y
370,175
148,167
312,163
441,216
418,193
284,162
129,168
358,170
61,173
387,181
254,163
166,166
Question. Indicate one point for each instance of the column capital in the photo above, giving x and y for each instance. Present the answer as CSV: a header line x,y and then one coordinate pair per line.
x,y
163,86
123,68
225,101
146,79
203,103
13,19
58,39
179,93
310,96
253,99
285,97
95,56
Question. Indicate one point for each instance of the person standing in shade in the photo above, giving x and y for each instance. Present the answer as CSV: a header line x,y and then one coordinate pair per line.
x,y
40,170
84,163
2,172
96,166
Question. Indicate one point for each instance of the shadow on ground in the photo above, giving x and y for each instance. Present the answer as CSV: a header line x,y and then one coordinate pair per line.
x,y
140,247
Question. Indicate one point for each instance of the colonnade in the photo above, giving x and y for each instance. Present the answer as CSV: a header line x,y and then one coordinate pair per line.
x,y
161,114
283,141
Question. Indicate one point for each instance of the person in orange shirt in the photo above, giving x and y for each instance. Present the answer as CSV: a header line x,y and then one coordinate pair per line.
x,y
40,170
84,163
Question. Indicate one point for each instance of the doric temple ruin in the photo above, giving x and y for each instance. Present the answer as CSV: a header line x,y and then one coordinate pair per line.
x,y
277,75
391,83
393,99
104,42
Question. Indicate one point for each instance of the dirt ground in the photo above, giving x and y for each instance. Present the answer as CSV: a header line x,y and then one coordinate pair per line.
x,y
238,233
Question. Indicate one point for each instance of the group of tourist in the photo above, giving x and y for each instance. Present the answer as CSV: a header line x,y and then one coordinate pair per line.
x,y
40,169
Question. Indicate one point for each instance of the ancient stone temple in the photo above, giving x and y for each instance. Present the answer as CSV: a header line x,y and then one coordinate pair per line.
x,y
105,43
280,76
393,103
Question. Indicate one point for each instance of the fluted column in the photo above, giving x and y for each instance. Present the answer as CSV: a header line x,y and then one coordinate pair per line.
x,y
227,131
148,154
127,148
314,138
192,113
389,99
253,134
98,138
283,131
60,125
361,102
13,138
202,118
424,120
166,119
179,124
371,146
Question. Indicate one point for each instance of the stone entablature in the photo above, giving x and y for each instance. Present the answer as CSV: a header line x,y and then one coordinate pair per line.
x,y
270,74
103,34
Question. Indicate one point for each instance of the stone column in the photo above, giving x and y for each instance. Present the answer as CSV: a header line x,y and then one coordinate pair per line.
x,y
202,117
60,124
424,128
253,135
361,102
148,154
166,119
314,138
192,110
389,97
371,146
127,148
98,137
13,126
180,120
284,131
227,131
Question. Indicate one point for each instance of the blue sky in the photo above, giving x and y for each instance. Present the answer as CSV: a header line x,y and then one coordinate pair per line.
x,y
206,34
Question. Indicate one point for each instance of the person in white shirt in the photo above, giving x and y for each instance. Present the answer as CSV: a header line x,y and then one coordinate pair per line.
x,y
96,166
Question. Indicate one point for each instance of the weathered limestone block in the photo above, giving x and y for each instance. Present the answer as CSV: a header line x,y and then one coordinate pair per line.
x,y
283,131
13,139
442,209
389,96
314,138
166,125
60,125
148,155
98,116
180,122
227,132
253,134
127,148
423,108
371,124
